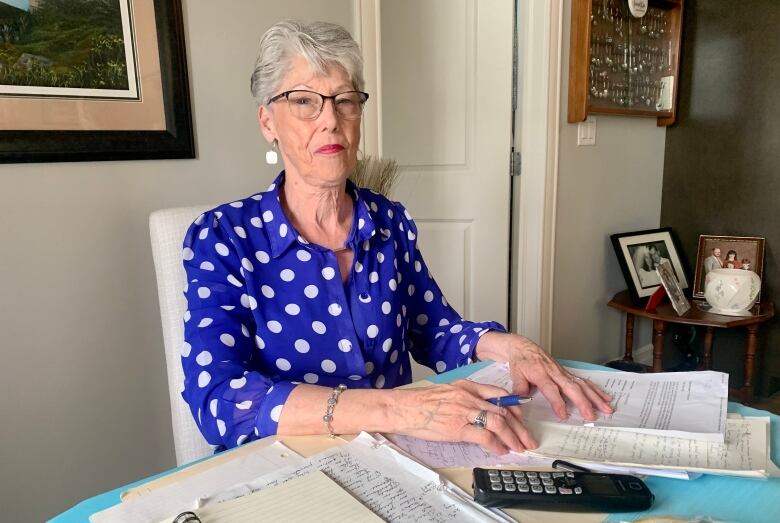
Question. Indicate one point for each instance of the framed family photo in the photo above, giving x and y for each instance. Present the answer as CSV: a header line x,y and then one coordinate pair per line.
x,y
640,253
93,80
727,252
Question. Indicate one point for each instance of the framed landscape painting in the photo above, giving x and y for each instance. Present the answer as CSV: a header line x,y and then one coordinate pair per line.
x,y
93,80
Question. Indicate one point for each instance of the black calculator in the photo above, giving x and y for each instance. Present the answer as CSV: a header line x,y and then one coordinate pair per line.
x,y
561,491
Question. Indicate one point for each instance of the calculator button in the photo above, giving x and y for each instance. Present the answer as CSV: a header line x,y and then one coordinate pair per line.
x,y
578,490
564,490
558,474
550,490
510,479
506,473
495,479
531,474
519,474
492,472
495,486
545,475
509,488
521,481
537,489
533,481
523,488
547,481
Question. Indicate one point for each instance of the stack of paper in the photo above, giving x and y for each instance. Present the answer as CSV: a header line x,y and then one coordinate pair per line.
x,y
389,483
690,405
324,502
667,422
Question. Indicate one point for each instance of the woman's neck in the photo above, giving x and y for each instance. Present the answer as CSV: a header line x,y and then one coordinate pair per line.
x,y
320,213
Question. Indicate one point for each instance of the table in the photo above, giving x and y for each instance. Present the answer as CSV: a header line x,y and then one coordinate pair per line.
x,y
665,313
724,498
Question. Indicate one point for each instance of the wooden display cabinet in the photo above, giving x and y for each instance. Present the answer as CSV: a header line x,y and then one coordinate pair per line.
x,y
624,65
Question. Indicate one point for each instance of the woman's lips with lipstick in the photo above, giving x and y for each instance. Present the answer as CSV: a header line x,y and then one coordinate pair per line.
x,y
331,148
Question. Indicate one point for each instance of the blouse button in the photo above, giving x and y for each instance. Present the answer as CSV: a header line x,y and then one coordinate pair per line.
x,y
363,296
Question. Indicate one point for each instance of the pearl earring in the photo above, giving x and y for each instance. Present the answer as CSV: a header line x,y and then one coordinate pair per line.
x,y
271,158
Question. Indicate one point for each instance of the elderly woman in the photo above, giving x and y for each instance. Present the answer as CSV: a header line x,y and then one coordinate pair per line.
x,y
306,300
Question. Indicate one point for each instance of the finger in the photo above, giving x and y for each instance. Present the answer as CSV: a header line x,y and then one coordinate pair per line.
x,y
552,394
514,419
504,432
480,390
597,397
484,438
573,390
520,385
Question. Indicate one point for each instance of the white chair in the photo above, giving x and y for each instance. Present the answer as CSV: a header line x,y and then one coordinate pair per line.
x,y
167,229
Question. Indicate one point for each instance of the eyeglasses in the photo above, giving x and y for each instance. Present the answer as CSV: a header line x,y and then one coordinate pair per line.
x,y
307,105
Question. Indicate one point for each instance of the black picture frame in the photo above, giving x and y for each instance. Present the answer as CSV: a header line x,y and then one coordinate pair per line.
x,y
176,141
632,248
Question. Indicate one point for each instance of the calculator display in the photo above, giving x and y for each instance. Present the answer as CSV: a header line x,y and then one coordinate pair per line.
x,y
601,485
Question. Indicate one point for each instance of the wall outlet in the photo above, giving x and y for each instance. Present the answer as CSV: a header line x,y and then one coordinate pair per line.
x,y
586,131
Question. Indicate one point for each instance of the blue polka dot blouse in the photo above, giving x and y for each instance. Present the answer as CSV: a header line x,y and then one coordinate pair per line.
x,y
267,311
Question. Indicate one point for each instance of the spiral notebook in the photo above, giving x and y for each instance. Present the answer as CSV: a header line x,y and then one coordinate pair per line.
x,y
312,497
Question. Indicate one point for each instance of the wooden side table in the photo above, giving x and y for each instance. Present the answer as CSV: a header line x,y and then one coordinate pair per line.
x,y
665,313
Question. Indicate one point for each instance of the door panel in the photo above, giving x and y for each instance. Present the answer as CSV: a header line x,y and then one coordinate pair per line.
x,y
443,73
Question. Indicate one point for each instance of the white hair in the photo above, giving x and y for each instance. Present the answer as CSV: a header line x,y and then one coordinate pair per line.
x,y
321,44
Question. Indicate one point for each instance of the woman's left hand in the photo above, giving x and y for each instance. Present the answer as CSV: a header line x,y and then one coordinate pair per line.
x,y
530,366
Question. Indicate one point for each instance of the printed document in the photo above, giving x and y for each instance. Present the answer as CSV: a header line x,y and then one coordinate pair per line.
x,y
689,405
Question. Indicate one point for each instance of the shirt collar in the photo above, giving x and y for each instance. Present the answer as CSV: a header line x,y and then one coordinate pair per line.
x,y
282,234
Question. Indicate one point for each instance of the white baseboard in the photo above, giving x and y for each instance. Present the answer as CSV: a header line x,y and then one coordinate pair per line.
x,y
644,355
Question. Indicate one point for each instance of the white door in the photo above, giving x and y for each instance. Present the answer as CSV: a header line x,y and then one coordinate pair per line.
x,y
440,77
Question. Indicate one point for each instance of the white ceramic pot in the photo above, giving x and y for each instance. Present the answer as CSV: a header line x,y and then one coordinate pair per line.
x,y
731,291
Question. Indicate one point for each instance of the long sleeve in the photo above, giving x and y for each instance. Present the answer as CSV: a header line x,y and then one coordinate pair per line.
x,y
230,395
441,339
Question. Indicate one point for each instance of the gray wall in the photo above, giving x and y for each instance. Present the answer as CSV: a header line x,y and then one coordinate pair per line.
x,y
84,403
614,186
722,173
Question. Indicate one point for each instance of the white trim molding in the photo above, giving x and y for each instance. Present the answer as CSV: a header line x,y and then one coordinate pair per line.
x,y
367,32
537,123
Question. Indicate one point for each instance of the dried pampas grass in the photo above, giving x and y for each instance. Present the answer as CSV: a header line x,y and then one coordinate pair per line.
x,y
377,174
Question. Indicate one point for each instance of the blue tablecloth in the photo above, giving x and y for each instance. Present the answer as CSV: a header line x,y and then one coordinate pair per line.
x,y
720,497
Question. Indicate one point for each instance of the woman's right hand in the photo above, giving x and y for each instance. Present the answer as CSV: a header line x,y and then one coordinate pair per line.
x,y
447,413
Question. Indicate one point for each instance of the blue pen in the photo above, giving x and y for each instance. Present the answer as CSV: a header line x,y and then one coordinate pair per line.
x,y
509,401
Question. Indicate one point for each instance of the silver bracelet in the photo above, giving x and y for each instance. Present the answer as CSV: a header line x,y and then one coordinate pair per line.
x,y
328,417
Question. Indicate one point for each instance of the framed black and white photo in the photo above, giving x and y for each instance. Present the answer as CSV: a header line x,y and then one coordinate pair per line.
x,y
640,253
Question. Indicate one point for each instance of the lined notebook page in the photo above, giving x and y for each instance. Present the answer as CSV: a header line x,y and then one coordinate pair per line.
x,y
312,497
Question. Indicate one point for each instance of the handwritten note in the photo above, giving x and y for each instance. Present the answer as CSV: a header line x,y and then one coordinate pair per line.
x,y
442,454
744,452
390,484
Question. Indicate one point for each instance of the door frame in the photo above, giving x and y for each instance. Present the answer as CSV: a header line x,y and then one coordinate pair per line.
x,y
537,124
539,33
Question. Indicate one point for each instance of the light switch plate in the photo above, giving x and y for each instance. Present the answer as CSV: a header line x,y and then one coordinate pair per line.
x,y
586,131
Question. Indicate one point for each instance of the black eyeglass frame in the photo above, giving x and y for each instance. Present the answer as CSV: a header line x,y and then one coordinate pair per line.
x,y
324,98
